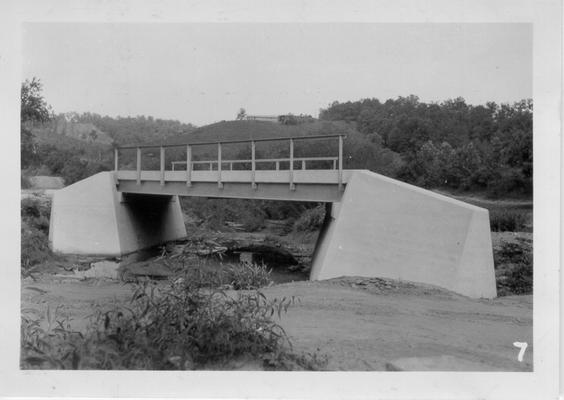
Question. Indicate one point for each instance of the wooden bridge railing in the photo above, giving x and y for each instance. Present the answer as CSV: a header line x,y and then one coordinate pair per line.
x,y
337,162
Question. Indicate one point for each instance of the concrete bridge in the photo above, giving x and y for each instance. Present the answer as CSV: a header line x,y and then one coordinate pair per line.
x,y
374,226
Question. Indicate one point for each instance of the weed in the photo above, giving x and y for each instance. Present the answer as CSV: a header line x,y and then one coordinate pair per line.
x,y
180,326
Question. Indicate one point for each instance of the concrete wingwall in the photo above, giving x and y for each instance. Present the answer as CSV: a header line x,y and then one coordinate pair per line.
x,y
386,228
91,217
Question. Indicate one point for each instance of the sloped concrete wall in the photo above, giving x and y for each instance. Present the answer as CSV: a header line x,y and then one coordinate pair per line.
x,y
91,217
386,228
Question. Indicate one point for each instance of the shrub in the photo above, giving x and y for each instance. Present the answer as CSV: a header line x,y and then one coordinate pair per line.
x,y
507,221
36,212
34,233
246,276
34,248
177,327
310,220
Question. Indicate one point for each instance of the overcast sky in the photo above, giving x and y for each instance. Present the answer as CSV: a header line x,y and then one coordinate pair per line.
x,y
202,73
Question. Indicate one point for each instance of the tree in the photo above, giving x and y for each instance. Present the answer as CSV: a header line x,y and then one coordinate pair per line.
x,y
34,109
241,114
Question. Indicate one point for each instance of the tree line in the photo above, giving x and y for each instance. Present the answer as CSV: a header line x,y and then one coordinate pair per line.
x,y
450,144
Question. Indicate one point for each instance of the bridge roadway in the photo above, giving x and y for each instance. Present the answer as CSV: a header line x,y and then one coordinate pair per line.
x,y
296,185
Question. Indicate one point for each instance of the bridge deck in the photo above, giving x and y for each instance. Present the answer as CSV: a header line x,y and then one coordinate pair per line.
x,y
298,185
249,183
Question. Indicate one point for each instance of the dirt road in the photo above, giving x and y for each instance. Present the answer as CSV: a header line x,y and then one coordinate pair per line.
x,y
361,324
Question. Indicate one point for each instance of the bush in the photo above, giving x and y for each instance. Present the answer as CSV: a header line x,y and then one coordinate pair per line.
x,y
34,248
507,221
177,327
246,276
311,220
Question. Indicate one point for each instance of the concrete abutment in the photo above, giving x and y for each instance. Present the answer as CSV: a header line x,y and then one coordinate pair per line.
x,y
92,217
389,229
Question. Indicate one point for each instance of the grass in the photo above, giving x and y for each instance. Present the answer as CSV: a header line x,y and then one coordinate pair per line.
x,y
180,326
508,220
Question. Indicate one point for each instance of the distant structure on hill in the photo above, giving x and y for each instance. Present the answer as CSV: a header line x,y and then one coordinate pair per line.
x,y
286,119
265,118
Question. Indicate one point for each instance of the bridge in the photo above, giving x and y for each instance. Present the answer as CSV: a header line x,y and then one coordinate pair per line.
x,y
290,178
374,226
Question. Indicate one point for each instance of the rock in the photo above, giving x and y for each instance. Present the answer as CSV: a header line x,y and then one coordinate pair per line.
x,y
152,268
101,269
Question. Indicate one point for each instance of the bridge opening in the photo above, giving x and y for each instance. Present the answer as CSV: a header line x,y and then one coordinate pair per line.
x,y
282,234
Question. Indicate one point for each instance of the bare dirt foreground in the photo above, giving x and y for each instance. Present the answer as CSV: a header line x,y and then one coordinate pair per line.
x,y
360,323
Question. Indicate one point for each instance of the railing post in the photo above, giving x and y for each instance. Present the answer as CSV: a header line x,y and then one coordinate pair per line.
x,y
211,165
162,166
291,172
334,164
340,174
138,166
253,165
219,184
188,165
116,155
277,165
303,164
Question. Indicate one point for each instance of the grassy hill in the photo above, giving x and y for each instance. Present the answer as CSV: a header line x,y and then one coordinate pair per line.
x,y
240,130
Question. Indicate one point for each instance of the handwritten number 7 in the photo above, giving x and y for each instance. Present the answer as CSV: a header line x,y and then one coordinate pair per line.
x,y
523,347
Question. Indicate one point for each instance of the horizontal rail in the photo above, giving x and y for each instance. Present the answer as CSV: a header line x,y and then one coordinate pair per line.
x,y
258,160
275,139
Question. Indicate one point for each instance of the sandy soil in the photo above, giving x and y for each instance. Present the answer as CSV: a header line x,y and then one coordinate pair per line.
x,y
360,323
